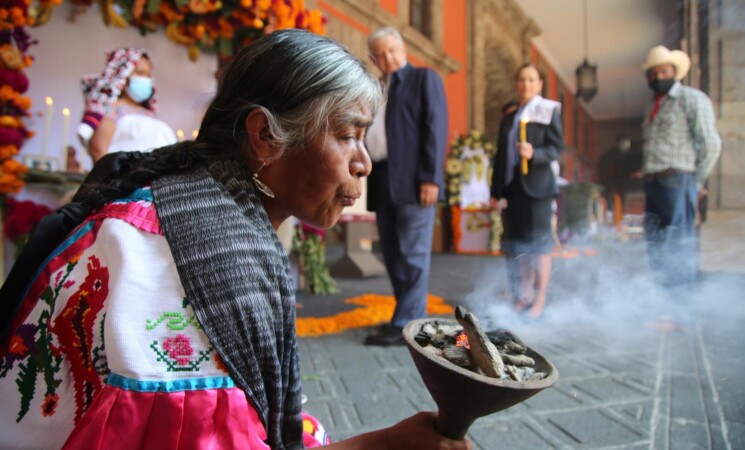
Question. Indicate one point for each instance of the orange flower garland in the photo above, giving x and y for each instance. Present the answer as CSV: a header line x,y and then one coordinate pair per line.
x,y
14,42
223,26
376,309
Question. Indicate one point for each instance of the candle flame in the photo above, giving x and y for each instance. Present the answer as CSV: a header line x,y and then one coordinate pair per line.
x,y
65,111
180,133
524,120
49,101
194,134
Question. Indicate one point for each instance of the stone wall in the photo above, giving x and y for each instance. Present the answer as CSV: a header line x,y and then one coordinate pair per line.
x,y
719,69
500,43
727,89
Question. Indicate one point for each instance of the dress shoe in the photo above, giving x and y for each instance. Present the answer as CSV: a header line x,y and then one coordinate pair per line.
x,y
390,337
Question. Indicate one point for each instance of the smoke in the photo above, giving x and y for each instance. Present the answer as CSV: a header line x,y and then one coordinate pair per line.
x,y
615,290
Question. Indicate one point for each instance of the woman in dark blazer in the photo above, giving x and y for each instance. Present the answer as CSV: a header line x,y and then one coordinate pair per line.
x,y
524,199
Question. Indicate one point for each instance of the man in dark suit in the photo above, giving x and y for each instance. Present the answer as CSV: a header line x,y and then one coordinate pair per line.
x,y
407,143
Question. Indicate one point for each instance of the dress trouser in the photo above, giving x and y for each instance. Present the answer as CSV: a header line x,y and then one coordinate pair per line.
x,y
406,240
669,227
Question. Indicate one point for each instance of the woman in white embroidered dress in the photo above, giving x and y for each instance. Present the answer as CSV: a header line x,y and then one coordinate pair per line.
x,y
166,319
121,107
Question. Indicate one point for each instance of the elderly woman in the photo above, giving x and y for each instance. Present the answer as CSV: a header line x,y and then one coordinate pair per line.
x,y
523,186
121,105
167,318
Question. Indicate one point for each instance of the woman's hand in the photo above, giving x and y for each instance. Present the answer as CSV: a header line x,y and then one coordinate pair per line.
x,y
419,432
525,149
415,433
498,204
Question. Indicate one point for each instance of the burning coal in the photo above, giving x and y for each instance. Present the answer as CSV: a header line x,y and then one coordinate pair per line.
x,y
497,354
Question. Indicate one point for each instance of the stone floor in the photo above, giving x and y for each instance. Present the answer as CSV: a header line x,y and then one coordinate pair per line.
x,y
624,383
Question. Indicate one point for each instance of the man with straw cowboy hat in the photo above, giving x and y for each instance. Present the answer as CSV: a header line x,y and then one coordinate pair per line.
x,y
681,146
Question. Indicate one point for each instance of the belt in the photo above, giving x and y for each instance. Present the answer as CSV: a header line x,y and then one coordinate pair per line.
x,y
663,174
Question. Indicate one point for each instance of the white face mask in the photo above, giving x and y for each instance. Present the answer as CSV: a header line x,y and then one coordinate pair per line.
x,y
139,88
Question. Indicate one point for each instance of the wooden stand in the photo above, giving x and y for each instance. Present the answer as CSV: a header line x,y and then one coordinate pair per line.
x,y
358,261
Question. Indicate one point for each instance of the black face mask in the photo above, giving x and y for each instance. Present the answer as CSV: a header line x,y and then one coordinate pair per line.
x,y
660,87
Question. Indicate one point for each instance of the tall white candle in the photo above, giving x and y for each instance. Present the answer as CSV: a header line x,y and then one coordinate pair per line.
x,y
65,136
47,126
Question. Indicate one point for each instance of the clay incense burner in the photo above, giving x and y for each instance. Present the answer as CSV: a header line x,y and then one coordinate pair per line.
x,y
462,396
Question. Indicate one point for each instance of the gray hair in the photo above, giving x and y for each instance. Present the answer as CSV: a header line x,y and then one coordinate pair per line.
x,y
382,32
303,83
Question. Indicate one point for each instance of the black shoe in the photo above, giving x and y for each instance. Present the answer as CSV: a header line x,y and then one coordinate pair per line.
x,y
390,337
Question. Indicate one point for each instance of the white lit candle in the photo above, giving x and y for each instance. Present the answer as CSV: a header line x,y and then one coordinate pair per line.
x,y
65,136
47,126
180,134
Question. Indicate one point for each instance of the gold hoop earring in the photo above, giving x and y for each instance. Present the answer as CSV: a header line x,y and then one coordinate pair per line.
x,y
260,185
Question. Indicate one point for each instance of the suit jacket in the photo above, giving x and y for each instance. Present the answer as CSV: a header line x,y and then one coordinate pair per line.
x,y
416,128
548,143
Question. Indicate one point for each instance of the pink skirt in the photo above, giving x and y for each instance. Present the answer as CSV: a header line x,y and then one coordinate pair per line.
x,y
204,419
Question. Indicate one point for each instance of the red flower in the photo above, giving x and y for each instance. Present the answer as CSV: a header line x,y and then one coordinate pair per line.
x,y
22,217
17,346
179,349
307,230
50,405
11,136
15,78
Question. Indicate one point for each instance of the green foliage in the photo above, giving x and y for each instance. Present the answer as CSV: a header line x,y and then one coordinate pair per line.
x,y
311,253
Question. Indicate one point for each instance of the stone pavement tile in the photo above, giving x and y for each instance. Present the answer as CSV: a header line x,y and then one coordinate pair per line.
x,y
514,434
344,359
559,396
361,382
628,339
573,367
314,360
732,401
515,412
625,362
383,410
330,415
660,433
607,389
316,386
689,435
682,353
567,344
643,380
686,399
718,438
736,434
714,414
391,358
410,383
594,428
637,414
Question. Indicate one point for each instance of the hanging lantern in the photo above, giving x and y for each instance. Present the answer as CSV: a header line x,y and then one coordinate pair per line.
x,y
587,74
587,81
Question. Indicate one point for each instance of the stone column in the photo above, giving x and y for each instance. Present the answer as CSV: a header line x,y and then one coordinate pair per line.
x,y
726,72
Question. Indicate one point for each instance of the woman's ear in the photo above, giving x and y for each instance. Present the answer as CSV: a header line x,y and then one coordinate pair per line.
x,y
260,139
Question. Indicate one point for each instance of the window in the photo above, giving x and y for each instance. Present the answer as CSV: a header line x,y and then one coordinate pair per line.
x,y
420,16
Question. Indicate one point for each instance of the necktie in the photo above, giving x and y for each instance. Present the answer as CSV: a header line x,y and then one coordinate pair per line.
x,y
656,107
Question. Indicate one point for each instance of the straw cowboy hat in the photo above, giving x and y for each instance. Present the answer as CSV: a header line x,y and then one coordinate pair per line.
x,y
662,55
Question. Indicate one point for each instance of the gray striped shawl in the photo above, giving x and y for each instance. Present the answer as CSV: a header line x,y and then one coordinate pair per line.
x,y
236,276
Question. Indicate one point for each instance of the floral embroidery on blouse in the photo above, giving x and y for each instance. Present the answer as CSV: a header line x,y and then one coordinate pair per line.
x,y
177,351
40,347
